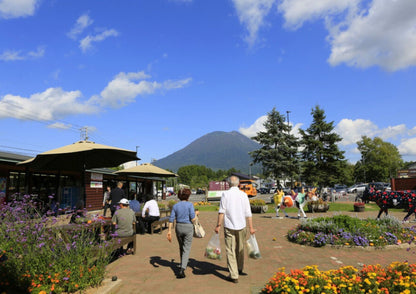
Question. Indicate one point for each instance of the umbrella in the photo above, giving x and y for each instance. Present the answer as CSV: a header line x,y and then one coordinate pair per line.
x,y
80,156
147,170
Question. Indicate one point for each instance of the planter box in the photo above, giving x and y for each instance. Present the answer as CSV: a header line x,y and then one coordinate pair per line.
x,y
359,208
259,208
323,207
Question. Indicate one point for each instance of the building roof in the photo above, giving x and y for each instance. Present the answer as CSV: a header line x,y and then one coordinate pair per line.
x,y
12,157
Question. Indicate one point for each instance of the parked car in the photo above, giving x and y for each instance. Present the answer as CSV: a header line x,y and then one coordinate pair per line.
x,y
273,190
341,189
263,190
379,186
359,189
351,189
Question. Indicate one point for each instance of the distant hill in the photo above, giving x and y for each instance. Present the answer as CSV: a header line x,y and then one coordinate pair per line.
x,y
216,150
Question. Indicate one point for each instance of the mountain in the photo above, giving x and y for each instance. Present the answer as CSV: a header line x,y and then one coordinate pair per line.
x,y
216,150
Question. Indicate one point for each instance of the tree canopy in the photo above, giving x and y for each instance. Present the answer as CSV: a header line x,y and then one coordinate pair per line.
x,y
379,162
323,164
198,176
278,153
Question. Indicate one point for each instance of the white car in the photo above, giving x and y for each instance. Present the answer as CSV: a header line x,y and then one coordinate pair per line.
x,y
359,189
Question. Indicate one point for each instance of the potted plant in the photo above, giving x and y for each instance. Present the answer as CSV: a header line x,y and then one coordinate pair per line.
x,y
258,206
359,206
318,206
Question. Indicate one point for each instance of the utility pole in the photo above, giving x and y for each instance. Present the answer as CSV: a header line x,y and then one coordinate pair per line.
x,y
288,132
137,150
287,114
84,134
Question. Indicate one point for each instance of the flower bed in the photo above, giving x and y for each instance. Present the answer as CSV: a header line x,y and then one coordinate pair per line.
x,y
258,206
395,278
344,230
318,206
359,206
35,258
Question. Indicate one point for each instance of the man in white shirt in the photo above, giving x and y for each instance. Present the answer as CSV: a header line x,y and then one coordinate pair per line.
x,y
150,212
234,210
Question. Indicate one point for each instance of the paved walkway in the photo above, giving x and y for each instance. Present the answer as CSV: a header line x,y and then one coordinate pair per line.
x,y
152,269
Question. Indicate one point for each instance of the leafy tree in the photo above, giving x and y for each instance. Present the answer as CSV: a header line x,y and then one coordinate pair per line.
x,y
278,154
379,160
198,176
323,163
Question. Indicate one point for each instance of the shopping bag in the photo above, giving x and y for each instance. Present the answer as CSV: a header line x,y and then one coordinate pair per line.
x,y
199,231
252,247
213,249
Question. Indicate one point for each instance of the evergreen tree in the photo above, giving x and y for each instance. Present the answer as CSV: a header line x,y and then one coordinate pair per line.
x,y
323,163
379,160
278,154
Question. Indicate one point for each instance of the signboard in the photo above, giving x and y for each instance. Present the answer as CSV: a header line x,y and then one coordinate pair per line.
x,y
96,177
95,184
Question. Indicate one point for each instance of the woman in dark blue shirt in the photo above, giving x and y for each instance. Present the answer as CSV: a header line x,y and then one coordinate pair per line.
x,y
184,214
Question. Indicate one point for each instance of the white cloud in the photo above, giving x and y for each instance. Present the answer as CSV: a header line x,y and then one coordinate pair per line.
x,y
392,132
258,126
251,14
252,130
125,87
82,22
384,36
59,125
408,147
361,33
86,43
352,130
52,104
11,55
15,55
17,8
296,12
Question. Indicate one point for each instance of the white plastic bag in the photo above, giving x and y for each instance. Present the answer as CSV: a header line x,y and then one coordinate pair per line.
x,y
252,247
199,231
213,249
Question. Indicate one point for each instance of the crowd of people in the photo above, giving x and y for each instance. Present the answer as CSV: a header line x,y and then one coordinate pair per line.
x,y
233,215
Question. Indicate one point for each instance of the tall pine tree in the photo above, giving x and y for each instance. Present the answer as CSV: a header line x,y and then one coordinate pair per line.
x,y
323,164
278,154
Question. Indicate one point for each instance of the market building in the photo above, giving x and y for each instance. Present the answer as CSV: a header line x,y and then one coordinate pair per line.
x,y
67,187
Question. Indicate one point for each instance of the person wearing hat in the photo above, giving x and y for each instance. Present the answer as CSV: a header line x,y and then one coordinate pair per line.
x,y
123,220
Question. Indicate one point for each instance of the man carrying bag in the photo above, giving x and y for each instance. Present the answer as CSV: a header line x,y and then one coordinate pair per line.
x,y
234,210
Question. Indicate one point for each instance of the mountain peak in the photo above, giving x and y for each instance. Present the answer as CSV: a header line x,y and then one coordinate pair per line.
x,y
216,150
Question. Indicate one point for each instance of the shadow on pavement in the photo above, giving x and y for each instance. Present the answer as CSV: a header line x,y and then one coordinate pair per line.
x,y
157,261
206,268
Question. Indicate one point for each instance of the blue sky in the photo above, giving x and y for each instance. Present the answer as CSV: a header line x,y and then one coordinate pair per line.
x,y
159,74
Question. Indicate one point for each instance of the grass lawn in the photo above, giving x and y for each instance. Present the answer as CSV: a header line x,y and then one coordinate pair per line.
x,y
333,206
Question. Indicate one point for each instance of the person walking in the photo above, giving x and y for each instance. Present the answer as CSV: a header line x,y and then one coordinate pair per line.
x,y
115,196
106,200
184,214
234,212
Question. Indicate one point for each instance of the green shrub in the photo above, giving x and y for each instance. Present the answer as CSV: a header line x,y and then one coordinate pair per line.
x,y
346,230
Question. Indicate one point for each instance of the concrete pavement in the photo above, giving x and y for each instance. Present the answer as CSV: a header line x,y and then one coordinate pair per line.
x,y
152,269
